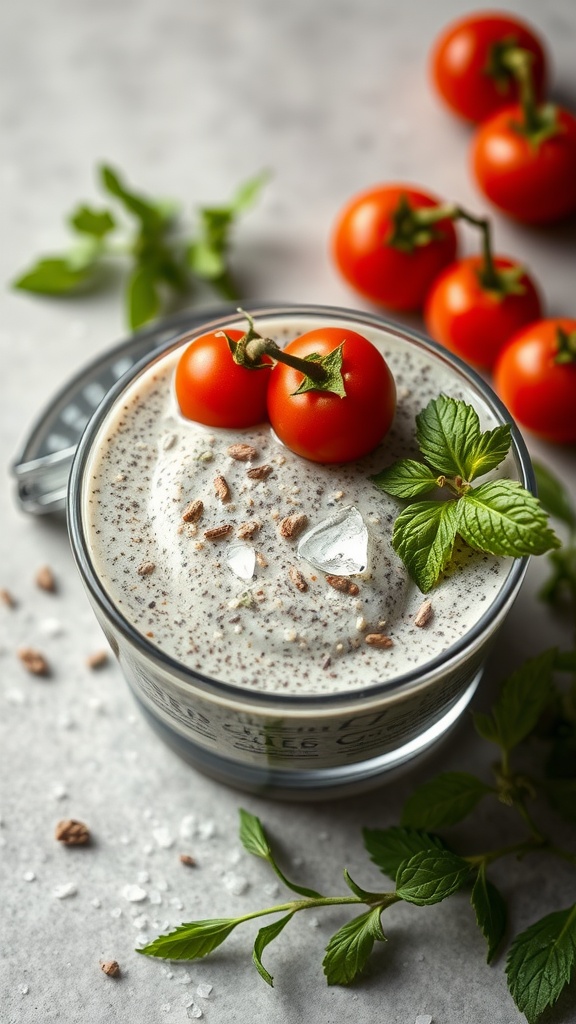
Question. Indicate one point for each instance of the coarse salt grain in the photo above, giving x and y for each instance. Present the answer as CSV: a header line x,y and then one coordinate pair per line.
x,y
134,893
140,922
59,791
96,903
204,990
194,1011
143,877
51,627
116,912
62,892
29,876
185,979
423,1018
188,826
236,884
163,838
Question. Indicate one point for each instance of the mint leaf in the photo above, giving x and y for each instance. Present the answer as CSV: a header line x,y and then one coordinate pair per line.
x,y
502,518
424,535
96,223
390,847
255,841
349,949
430,876
405,479
191,941
490,910
447,432
205,261
363,894
541,962
148,213
443,801
53,275
247,193
143,297
489,450
523,698
554,496
264,937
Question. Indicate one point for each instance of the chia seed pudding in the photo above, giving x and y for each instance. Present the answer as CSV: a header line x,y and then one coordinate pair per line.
x,y
198,542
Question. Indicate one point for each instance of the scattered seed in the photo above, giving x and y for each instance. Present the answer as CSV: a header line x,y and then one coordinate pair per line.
x,y
261,560
222,489
378,640
193,511
72,833
291,526
45,579
145,568
185,858
343,584
33,661
7,599
259,472
217,532
110,967
97,660
297,579
247,530
424,614
242,452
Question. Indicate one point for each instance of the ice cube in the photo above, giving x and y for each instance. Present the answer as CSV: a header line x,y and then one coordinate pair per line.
x,y
338,545
241,558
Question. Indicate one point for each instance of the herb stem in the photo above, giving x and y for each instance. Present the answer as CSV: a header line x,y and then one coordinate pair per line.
x,y
293,906
527,846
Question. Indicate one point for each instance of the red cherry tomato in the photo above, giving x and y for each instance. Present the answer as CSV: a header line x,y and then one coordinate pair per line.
x,y
539,392
472,320
465,53
321,426
212,389
532,181
378,270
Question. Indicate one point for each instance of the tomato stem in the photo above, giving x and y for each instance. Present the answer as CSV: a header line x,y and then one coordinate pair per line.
x,y
489,275
566,346
519,62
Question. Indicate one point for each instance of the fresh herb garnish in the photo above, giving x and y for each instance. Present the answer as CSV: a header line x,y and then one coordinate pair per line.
x,y
499,516
165,261
425,870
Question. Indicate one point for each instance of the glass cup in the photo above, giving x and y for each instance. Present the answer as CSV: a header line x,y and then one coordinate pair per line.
x,y
278,741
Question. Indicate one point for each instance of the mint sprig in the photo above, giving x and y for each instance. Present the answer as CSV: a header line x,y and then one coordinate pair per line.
x,y
499,517
165,260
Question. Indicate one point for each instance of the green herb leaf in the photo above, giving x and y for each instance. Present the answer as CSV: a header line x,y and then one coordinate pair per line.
x,y
447,432
255,841
443,801
143,297
205,261
96,223
490,910
490,449
424,535
247,193
53,275
264,937
554,496
541,962
502,518
148,213
406,478
430,876
334,382
363,894
349,949
191,941
522,700
391,847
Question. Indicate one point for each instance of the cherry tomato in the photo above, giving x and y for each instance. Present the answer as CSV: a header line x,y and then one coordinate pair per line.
x,y
530,180
540,392
212,389
321,426
373,266
473,320
467,51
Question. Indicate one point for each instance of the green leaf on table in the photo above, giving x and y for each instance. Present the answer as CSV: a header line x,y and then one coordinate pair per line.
x,y
255,841
430,876
423,537
444,800
554,496
363,894
191,941
248,192
97,223
390,847
541,962
349,949
264,937
490,910
53,275
205,261
142,296
406,478
523,698
502,518
150,214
